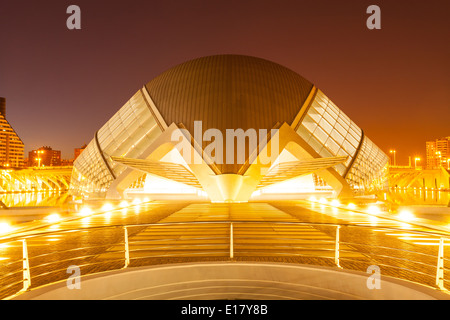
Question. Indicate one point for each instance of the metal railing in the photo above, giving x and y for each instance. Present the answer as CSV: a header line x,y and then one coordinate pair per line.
x,y
226,240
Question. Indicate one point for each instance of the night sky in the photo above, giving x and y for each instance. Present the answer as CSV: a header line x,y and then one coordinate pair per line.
x,y
62,85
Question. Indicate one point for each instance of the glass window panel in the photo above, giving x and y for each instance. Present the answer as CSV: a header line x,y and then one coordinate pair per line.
x,y
320,135
332,146
333,106
341,169
315,144
314,115
325,153
309,123
348,147
329,118
326,126
355,131
344,120
304,133
352,140
340,129
318,107
337,137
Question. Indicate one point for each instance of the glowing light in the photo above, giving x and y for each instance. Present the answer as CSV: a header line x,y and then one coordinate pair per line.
x,y
406,215
313,199
53,218
146,199
86,221
54,239
123,204
5,227
323,201
54,227
335,202
136,202
351,206
85,211
373,210
373,220
107,207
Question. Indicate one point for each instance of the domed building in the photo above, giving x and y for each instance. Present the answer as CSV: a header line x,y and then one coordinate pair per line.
x,y
227,128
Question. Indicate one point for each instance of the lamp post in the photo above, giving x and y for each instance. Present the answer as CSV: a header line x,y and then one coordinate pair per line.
x,y
415,162
438,153
394,151
39,157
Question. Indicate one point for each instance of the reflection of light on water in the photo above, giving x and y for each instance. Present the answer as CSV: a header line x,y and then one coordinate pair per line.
x,y
5,227
29,199
54,227
54,239
107,207
373,220
373,210
85,211
53,218
107,216
405,225
420,196
86,221
406,215
335,203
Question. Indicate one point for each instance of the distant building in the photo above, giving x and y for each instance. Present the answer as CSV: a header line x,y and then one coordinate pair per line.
x,y
78,151
66,162
438,153
44,157
11,146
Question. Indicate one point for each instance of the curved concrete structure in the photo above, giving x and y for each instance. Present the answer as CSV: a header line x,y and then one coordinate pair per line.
x,y
229,118
234,280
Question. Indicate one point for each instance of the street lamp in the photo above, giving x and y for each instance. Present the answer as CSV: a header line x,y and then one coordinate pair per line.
x,y
394,151
438,153
39,158
415,161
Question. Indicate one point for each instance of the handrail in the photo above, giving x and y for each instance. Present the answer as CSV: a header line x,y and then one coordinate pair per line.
x,y
201,249
46,233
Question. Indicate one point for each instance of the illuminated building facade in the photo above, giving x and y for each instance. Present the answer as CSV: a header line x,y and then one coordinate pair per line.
x,y
300,130
44,157
438,153
11,146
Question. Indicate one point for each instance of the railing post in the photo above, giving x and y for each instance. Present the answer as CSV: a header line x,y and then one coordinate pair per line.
x,y
231,241
336,250
25,266
440,266
127,248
